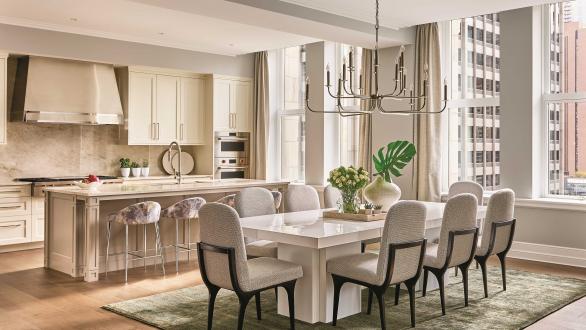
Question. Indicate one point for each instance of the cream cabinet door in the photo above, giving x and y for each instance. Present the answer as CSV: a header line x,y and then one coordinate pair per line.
x,y
192,111
167,108
241,106
141,108
223,118
3,106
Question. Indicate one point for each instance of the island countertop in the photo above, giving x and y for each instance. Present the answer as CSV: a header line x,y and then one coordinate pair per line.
x,y
122,189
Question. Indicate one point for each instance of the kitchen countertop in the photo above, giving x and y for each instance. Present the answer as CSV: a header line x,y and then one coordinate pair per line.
x,y
139,179
154,188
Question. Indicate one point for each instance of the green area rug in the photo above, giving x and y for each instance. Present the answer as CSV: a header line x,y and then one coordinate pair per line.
x,y
529,297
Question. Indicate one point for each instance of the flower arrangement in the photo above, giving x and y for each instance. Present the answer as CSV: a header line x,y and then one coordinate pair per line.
x,y
348,180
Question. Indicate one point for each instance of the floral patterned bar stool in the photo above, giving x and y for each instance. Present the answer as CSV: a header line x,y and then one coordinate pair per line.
x,y
185,210
137,214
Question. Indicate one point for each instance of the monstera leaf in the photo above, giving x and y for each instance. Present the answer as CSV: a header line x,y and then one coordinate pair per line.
x,y
396,157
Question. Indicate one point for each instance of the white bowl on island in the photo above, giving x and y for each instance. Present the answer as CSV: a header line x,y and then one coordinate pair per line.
x,y
89,186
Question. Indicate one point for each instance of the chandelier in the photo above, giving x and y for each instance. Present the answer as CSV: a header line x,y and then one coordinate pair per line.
x,y
346,87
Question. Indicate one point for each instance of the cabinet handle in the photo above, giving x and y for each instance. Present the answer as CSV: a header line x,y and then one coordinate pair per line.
x,y
10,226
9,207
9,191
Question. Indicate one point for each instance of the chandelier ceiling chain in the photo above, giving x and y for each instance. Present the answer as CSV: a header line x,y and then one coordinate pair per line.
x,y
373,102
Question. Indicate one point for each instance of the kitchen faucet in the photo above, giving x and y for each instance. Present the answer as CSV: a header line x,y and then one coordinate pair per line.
x,y
176,173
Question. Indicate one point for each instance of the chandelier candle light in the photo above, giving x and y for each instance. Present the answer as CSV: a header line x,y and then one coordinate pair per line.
x,y
345,87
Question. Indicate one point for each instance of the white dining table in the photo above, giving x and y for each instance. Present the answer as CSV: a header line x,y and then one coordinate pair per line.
x,y
310,240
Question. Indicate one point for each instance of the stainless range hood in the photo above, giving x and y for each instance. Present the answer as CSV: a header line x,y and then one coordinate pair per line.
x,y
49,90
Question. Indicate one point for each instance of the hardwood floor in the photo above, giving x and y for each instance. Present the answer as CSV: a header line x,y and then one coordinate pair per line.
x,y
32,297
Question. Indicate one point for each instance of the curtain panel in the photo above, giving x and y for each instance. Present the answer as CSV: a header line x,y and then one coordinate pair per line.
x,y
260,129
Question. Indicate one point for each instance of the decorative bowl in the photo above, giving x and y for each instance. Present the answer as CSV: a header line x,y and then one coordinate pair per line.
x,y
88,186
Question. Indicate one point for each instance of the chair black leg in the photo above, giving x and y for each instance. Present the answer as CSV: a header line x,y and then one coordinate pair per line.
x,y
411,288
456,273
482,263
476,264
397,290
213,290
381,305
424,289
244,299
502,258
290,288
362,247
257,298
464,269
338,282
369,309
276,294
440,280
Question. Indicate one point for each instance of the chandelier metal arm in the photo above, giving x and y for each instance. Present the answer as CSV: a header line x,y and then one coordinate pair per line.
x,y
359,112
361,97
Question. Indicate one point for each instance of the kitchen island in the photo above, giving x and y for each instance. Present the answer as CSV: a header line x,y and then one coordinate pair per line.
x,y
76,219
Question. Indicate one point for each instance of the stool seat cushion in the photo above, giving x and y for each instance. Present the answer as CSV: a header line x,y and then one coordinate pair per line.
x,y
262,248
137,214
185,209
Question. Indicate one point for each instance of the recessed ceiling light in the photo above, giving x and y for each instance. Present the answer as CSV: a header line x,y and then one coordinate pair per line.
x,y
73,19
161,33
231,45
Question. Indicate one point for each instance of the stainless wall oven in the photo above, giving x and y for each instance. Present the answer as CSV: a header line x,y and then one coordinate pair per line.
x,y
231,168
231,144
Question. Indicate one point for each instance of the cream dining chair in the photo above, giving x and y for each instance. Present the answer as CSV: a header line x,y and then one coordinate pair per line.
x,y
332,197
300,197
224,265
399,259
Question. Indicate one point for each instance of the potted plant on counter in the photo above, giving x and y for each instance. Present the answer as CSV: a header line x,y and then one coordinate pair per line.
x,y
135,169
389,163
125,167
348,180
145,167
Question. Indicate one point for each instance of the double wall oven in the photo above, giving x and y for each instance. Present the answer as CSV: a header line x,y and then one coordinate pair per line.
x,y
231,155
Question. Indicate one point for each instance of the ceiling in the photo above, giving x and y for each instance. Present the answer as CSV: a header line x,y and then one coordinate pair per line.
x,y
233,27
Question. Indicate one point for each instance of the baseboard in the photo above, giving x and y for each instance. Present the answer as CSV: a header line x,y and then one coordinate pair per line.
x,y
22,247
548,253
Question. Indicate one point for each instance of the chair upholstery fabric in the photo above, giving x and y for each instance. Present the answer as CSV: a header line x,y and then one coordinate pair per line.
x,y
185,209
301,197
469,187
230,200
500,208
220,226
332,197
262,248
137,214
255,201
405,222
459,214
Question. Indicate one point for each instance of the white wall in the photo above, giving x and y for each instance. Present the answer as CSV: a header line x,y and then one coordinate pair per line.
x,y
66,45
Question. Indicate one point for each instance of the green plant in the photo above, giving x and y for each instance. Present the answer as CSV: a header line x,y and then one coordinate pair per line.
x,y
134,165
368,206
397,156
348,180
145,163
378,207
124,163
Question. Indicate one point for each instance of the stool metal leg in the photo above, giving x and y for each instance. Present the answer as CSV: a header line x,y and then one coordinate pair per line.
x,y
126,253
162,255
144,241
176,245
188,239
108,233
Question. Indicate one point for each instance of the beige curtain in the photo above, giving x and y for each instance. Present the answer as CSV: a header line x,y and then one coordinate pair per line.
x,y
258,148
427,128
365,122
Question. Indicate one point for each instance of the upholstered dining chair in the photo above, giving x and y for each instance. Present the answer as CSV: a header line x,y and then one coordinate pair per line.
x,y
224,265
185,211
230,199
457,243
332,197
399,260
300,197
499,229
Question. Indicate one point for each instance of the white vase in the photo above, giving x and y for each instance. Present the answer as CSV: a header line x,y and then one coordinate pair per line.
x,y
380,192
145,171
125,171
135,171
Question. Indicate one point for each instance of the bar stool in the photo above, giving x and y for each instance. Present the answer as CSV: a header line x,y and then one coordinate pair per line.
x,y
185,210
137,214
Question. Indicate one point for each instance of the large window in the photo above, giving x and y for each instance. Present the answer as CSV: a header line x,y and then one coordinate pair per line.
x,y
471,49
565,98
349,126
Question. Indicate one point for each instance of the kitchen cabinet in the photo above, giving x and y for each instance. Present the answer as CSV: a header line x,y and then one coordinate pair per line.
x,y
3,97
162,106
15,214
232,104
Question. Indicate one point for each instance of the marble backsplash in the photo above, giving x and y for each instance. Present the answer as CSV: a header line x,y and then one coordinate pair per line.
x,y
41,150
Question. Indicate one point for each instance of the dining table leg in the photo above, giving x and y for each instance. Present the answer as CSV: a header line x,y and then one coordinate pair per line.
x,y
314,292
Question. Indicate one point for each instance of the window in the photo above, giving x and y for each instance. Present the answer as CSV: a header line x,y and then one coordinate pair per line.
x,y
471,64
349,126
565,99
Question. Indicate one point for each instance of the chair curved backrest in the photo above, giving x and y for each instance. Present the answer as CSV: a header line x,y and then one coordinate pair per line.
x,y
277,199
138,214
300,197
500,208
185,209
254,201
459,214
405,222
469,187
331,197
220,227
